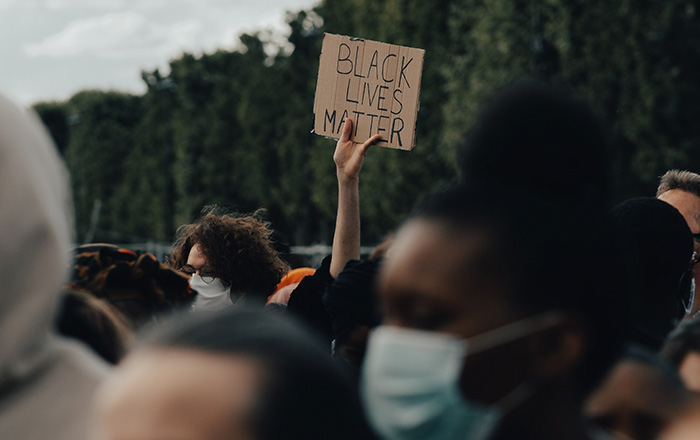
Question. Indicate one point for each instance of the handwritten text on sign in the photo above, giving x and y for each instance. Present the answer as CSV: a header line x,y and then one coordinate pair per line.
x,y
375,84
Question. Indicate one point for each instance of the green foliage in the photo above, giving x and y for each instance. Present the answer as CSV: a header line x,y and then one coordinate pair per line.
x,y
102,133
55,116
233,127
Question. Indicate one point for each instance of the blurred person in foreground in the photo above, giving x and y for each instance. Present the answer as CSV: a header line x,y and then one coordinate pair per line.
x,y
230,259
237,374
685,426
498,320
46,382
640,396
541,138
95,322
682,350
655,245
681,189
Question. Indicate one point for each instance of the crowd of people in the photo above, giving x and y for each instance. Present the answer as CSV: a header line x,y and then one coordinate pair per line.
x,y
519,304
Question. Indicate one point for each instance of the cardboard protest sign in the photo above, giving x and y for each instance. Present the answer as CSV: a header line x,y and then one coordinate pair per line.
x,y
376,84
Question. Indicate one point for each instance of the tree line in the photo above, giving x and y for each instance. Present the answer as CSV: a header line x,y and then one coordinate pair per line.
x,y
233,127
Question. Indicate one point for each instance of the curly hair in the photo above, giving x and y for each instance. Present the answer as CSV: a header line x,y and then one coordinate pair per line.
x,y
238,249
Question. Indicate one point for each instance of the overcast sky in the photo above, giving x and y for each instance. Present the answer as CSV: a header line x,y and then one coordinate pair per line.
x,y
50,49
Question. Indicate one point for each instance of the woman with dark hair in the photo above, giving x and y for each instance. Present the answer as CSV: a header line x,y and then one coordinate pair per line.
x,y
230,258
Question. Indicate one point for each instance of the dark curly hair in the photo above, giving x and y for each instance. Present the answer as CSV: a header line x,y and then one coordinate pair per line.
x,y
238,249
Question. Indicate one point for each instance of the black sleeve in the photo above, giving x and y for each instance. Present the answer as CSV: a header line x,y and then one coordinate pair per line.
x,y
306,301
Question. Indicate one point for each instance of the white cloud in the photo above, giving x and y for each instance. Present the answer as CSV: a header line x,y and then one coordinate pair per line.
x,y
53,48
6,4
83,4
118,35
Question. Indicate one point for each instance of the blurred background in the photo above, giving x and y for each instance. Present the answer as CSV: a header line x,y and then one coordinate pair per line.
x,y
213,101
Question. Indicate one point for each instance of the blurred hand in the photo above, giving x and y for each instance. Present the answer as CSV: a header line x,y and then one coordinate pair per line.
x,y
349,156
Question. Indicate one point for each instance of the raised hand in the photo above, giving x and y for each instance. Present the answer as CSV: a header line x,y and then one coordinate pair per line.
x,y
349,156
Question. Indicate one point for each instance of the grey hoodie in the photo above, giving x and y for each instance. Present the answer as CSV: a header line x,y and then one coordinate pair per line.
x,y
46,383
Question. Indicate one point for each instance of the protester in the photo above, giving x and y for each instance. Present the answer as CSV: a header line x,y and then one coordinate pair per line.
x,y
230,259
351,304
46,382
288,283
682,350
681,189
498,320
238,374
95,322
306,301
349,157
656,246
134,282
639,397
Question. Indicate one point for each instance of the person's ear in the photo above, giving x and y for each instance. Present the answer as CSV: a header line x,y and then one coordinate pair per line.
x,y
559,349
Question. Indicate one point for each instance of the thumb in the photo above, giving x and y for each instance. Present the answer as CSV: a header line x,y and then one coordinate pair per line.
x,y
368,143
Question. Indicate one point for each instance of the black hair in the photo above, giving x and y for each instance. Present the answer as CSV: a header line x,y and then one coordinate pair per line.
x,y
303,393
550,255
656,246
542,137
93,321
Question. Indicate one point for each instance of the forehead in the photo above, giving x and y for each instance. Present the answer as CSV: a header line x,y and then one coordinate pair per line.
x,y
431,262
178,394
687,203
196,258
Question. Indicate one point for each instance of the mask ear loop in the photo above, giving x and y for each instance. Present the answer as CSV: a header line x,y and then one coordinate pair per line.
x,y
686,285
513,331
508,333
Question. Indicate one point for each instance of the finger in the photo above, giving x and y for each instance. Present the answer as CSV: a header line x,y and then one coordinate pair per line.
x,y
347,129
368,143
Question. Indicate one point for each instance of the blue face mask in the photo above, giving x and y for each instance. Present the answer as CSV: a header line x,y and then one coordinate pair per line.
x,y
410,383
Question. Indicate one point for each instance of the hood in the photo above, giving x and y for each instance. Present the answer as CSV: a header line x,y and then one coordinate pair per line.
x,y
34,238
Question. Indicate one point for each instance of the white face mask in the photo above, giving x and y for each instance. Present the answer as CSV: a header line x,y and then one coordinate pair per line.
x,y
210,296
410,383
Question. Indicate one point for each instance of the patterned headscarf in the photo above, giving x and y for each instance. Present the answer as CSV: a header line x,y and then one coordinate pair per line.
x,y
133,281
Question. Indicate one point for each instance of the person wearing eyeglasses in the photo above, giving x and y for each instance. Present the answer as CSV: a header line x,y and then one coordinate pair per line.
x,y
230,259
681,189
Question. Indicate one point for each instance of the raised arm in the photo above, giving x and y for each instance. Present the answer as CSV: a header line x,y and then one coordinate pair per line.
x,y
348,158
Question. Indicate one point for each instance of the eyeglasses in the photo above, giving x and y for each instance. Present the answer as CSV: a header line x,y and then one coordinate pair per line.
x,y
190,270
